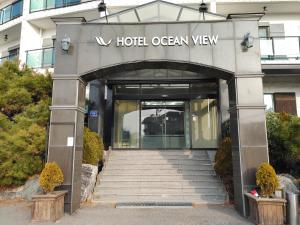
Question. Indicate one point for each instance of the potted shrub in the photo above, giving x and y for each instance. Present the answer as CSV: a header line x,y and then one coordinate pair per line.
x,y
50,205
265,208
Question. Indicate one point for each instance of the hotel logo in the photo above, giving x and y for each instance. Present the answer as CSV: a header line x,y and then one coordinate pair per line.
x,y
101,41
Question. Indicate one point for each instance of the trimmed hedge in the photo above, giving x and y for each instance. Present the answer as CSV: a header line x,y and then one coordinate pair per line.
x,y
92,147
266,179
51,177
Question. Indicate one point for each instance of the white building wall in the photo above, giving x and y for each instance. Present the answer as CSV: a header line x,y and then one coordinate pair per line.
x,y
4,48
283,84
30,39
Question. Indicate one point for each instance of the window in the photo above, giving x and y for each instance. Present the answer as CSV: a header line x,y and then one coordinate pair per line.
x,y
17,9
285,102
264,32
13,54
269,102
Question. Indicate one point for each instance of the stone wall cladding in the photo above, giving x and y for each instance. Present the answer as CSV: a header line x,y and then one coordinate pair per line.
x,y
26,191
88,180
89,176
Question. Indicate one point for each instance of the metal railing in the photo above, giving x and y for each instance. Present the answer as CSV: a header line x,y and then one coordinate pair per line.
x,y
39,5
11,12
40,58
280,48
10,57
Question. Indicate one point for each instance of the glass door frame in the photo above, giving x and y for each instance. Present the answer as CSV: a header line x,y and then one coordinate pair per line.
x,y
165,124
187,98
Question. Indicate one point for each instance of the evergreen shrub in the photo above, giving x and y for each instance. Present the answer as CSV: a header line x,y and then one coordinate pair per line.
x,y
223,158
24,113
51,177
266,179
93,147
284,142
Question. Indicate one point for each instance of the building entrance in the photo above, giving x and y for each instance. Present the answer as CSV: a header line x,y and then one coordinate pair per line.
x,y
163,124
147,121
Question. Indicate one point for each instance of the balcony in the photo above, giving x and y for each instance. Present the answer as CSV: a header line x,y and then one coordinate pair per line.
x,y
280,50
10,57
11,12
40,58
39,5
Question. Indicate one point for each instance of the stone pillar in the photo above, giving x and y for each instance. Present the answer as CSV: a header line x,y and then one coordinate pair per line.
x,y
66,134
248,133
96,98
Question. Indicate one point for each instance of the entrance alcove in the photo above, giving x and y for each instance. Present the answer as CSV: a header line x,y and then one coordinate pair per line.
x,y
106,66
146,96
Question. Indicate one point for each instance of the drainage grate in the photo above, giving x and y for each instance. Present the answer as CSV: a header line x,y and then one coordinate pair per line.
x,y
154,205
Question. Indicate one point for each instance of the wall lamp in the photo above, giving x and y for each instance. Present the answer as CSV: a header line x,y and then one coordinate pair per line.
x,y
102,6
247,42
66,44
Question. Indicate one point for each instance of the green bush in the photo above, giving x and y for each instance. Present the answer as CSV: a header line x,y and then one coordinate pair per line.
x,y
51,177
266,179
223,165
21,154
24,112
284,142
92,147
223,158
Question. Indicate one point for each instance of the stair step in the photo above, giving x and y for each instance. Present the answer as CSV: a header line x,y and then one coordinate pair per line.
x,y
154,157
162,191
157,152
158,172
219,199
157,184
159,167
159,162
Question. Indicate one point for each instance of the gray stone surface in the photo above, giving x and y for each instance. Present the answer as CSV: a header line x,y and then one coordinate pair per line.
x,y
88,181
26,191
288,183
19,214
173,176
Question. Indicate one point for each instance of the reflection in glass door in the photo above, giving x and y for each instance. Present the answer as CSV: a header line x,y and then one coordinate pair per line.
x,y
126,124
162,124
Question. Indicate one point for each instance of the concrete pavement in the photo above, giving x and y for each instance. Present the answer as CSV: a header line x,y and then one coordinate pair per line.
x,y
19,214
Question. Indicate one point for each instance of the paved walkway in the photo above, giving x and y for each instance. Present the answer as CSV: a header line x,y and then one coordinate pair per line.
x,y
19,214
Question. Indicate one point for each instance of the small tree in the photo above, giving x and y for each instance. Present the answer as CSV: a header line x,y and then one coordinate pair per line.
x,y
51,177
266,179
92,147
223,158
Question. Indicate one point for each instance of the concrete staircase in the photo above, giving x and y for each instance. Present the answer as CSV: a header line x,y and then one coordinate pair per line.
x,y
160,176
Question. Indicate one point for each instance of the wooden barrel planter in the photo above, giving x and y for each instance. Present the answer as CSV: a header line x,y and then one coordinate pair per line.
x,y
48,207
266,211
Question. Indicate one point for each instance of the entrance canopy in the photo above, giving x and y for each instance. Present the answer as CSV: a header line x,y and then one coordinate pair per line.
x,y
160,11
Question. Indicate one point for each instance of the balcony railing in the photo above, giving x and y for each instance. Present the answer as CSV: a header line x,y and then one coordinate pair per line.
x,y
39,5
283,49
40,58
10,57
11,12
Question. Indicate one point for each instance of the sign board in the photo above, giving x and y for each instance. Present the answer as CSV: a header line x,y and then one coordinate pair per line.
x,y
159,41
93,113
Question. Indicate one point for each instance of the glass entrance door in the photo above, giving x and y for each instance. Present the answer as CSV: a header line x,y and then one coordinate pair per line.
x,y
163,124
